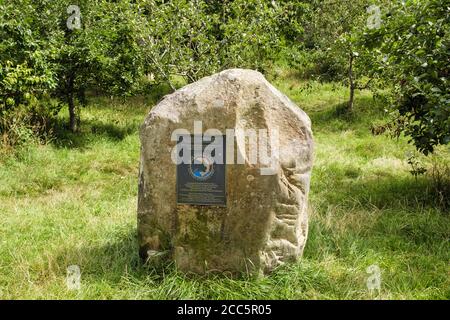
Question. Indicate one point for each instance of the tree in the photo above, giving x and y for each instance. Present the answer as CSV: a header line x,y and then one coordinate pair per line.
x,y
98,48
193,39
52,48
333,32
26,72
413,60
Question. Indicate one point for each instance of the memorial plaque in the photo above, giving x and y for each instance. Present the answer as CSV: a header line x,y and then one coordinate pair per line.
x,y
202,181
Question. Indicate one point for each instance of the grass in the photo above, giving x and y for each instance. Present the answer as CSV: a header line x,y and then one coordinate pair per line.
x,y
73,202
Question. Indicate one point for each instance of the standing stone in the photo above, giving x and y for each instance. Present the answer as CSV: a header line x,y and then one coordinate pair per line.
x,y
265,221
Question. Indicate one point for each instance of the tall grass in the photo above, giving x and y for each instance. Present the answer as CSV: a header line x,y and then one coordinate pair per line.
x,y
72,201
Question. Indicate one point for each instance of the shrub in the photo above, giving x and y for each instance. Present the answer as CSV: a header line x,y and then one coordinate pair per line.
x,y
413,59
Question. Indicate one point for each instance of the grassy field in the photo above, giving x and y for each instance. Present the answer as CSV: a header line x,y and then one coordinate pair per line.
x,y
73,202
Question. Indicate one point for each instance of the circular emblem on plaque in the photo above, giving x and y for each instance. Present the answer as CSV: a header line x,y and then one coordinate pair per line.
x,y
201,168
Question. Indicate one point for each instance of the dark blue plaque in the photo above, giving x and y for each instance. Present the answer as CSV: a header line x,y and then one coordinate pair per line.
x,y
201,181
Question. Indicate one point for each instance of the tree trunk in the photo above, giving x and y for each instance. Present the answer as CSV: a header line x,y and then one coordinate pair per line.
x,y
72,114
71,103
351,84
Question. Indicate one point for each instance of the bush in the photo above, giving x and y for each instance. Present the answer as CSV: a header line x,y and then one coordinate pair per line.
x,y
413,55
26,75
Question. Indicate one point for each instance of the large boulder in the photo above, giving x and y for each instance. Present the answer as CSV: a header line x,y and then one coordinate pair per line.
x,y
265,220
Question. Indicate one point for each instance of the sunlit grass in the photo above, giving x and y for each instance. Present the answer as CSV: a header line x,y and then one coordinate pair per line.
x,y
73,201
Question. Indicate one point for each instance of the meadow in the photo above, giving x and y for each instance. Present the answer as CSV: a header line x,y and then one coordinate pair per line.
x,y
72,201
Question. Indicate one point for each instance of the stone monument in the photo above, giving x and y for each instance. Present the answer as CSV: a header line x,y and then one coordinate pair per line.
x,y
224,176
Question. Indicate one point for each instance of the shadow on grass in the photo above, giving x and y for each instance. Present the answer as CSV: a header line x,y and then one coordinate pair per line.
x,y
109,261
402,201
116,264
383,190
117,118
339,118
90,132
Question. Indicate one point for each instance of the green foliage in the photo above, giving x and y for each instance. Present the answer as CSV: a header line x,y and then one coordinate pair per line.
x,y
413,46
417,167
40,57
118,44
122,47
291,20
328,25
26,73
103,54
332,42
193,39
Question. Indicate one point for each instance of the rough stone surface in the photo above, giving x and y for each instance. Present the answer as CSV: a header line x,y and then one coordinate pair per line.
x,y
265,222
